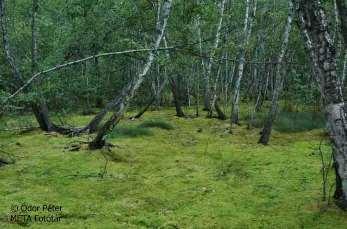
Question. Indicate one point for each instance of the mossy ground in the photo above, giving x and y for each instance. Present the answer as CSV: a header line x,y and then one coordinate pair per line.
x,y
195,175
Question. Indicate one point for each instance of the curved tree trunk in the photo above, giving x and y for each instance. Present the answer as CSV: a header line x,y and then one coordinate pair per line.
x,y
129,92
156,95
141,112
151,101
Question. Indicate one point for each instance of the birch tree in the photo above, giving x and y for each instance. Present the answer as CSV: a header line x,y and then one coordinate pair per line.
x,y
251,6
212,96
266,132
342,13
40,109
203,67
319,44
129,91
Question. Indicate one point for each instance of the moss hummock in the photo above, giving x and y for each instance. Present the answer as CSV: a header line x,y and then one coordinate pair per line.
x,y
195,175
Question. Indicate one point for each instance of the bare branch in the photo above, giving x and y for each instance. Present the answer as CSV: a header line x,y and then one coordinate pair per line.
x,y
37,75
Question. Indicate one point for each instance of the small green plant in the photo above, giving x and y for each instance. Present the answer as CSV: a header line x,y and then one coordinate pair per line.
x,y
153,123
132,131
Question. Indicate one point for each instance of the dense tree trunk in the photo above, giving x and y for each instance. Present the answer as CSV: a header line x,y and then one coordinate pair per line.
x,y
129,91
249,17
313,26
174,83
41,114
266,132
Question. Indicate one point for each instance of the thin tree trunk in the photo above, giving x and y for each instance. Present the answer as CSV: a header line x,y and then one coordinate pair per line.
x,y
266,132
40,109
313,25
153,98
246,36
264,90
197,94
129,92
212,94
161,87
205,78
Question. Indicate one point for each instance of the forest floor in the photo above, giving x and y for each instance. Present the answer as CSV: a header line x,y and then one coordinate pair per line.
x,y
169,172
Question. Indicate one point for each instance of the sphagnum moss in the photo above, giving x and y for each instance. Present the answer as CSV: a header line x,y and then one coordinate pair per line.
x,y
193,176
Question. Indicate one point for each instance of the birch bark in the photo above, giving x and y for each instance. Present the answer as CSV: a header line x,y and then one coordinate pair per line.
x,y
266,132
314,28
129,91
249,16
213,92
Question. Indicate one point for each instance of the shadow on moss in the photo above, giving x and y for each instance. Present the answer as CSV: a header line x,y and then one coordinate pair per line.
x,y
157,124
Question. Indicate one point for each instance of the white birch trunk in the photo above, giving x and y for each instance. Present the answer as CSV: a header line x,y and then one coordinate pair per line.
x,y
213,93
246,36
266,132
129,91
323,57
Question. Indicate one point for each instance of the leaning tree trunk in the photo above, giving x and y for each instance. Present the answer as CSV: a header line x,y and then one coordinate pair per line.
x,y
153,98
266,132
129,91
159,91
241,66
40,109
313,25
144,109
